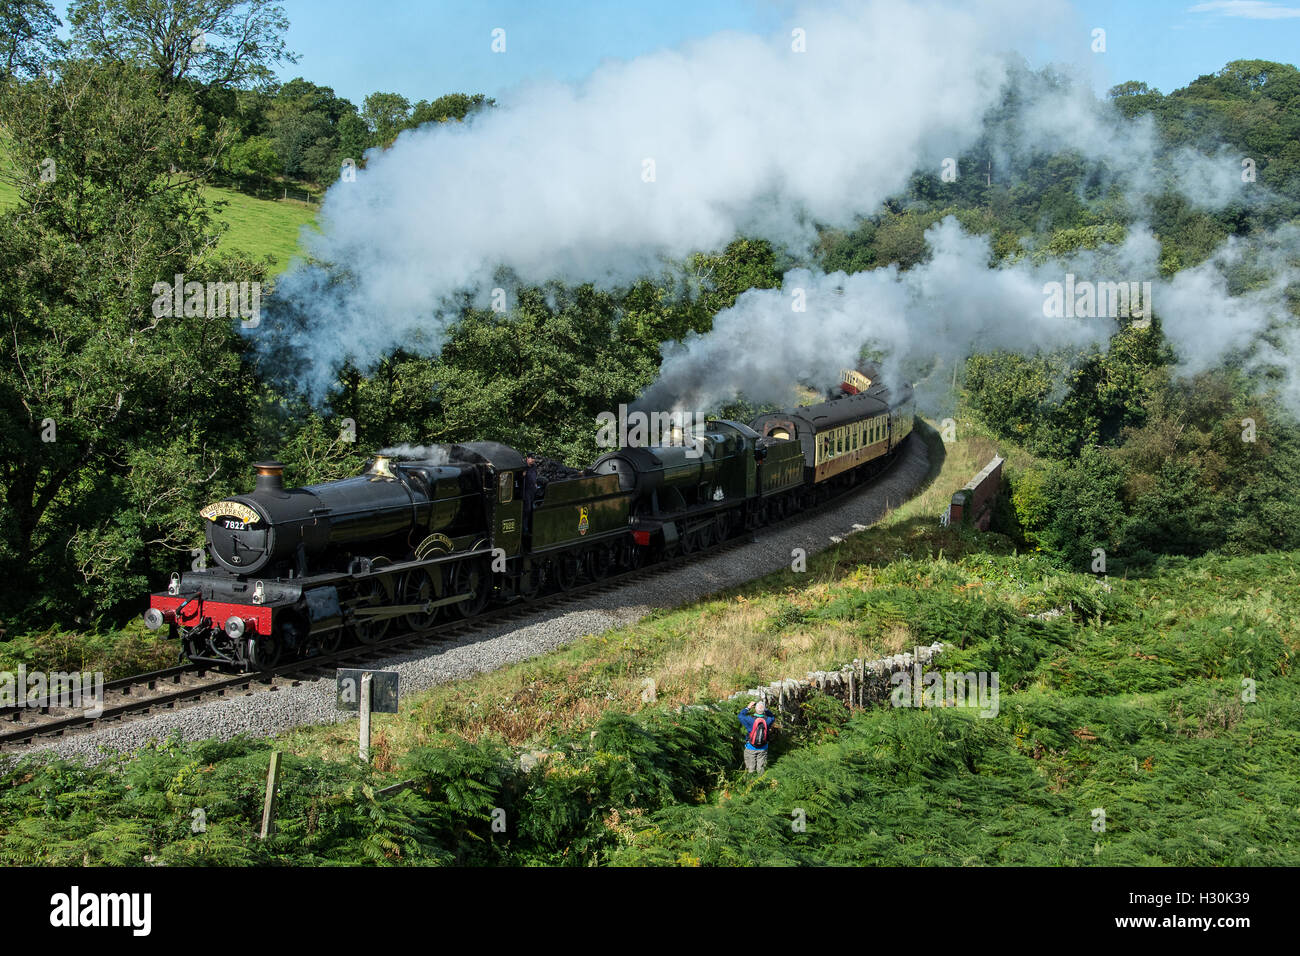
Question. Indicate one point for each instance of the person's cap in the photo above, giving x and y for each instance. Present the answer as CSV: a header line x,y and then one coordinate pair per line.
x,y
759,706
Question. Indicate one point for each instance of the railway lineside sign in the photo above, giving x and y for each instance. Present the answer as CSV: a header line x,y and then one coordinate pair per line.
x,y
383,690
368,692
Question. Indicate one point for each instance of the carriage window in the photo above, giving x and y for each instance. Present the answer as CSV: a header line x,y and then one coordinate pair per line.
x,y
507,486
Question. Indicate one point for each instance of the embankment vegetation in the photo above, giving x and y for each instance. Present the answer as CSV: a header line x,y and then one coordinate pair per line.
x,y
1166,701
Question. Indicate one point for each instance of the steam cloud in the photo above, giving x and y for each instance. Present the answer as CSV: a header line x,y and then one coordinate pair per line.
x,y
747,136
433,454
936,313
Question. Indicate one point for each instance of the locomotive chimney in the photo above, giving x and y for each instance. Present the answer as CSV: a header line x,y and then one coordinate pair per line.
x,y
270,476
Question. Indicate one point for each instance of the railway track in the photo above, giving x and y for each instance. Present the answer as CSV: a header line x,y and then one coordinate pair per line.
x,y
189,684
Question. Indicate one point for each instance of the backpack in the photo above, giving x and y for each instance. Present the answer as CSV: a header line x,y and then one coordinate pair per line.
x,y
758,733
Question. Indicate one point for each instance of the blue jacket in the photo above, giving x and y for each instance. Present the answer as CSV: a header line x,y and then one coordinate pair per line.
x,y
747,721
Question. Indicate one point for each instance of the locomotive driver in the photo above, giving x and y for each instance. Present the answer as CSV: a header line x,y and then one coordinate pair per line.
x,y
531,484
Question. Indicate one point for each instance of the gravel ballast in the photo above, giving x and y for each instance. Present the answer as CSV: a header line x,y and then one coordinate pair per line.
x,y
313,702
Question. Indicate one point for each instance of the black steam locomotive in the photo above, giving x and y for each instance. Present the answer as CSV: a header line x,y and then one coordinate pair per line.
x,y
412,540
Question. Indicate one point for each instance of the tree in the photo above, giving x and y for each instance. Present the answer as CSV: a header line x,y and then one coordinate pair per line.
x,y
1134,97
120,419
386,114
29,39
253,159
212,42
314,131
353,140
453,106
295,134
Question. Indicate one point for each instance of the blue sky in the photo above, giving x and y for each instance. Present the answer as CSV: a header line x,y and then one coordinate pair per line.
x,y
424,48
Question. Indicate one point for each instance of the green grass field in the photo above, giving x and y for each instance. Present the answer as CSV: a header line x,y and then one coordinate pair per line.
x,y
261,227
257,227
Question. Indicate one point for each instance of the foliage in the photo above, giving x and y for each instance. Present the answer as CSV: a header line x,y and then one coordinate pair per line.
x,y
1195,465
212,42
536,377
1130,699
29,38
119,416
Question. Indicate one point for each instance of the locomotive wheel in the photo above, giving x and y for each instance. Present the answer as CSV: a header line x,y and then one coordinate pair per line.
x,y
469,576
724,527
264,652
706,536
599,563
417,588
632,557
690,542
566,572
373,593
329,642
529,582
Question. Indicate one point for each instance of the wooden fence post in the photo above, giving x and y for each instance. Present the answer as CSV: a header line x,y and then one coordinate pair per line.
x,y
272,785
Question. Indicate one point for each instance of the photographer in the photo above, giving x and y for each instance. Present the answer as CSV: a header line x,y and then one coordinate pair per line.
x,y
758,733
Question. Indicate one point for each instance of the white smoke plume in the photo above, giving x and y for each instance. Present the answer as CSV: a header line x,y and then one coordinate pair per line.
x,y
647,161
650,160
940,311
433,454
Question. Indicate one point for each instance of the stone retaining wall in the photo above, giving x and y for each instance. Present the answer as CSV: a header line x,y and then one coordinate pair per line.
x,y
857,684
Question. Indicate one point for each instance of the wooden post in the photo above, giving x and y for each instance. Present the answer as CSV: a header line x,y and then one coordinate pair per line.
x,y
851,688
366,680
272,785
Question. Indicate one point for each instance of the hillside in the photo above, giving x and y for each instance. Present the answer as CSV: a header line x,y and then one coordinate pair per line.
x,y
256,227
261,227
1165,702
